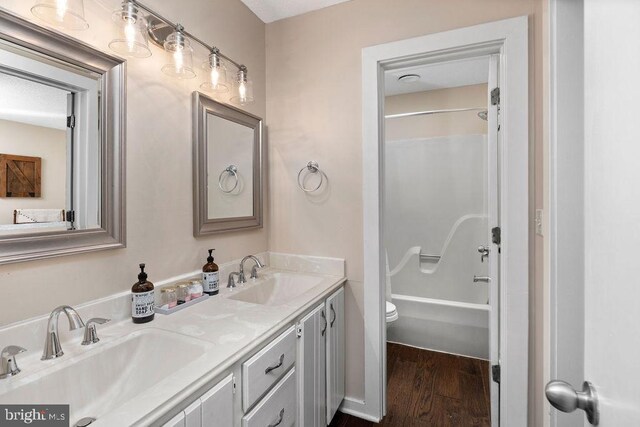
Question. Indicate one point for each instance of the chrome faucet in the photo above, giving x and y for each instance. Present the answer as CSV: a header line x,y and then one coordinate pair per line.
x,y
254,270
232,283
8,365
52,348
90,333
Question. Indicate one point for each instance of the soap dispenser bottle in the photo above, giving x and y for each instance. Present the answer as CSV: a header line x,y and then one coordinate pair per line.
x,y
142,299
210,278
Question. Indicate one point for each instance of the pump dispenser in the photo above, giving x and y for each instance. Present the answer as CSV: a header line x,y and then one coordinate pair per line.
x,y
210,278
142,299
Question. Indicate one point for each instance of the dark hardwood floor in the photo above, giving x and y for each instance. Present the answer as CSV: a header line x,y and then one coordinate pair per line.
x,y
425,388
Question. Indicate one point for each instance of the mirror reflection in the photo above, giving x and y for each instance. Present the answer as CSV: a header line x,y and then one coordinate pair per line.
x,y
230,168
49,145
227,164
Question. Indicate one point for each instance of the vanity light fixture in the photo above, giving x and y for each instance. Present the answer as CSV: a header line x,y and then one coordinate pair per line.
x,y
66,14
243,87
179,46
217,73
132,33
131,36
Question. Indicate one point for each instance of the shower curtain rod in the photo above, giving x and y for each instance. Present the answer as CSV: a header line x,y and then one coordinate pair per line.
x,y
428,112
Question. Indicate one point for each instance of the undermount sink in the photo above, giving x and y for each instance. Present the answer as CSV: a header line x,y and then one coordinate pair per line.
x,y
278,289
106,378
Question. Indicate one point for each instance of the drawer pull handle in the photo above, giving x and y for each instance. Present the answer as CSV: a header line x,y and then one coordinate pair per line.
x,y
273,368
324,329
334,314
280,419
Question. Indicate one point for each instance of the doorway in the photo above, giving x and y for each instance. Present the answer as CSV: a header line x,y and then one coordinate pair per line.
x,y
440,155
498,220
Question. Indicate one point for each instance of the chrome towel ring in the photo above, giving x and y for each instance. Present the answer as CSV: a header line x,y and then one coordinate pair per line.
x,y
231,170
311,167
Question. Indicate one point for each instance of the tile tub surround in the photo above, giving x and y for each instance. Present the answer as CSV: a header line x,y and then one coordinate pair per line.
x,y
235,328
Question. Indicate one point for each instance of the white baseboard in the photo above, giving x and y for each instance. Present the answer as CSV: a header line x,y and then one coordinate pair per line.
x,y
357,408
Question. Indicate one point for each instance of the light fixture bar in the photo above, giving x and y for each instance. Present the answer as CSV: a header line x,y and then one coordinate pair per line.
x,y
186,33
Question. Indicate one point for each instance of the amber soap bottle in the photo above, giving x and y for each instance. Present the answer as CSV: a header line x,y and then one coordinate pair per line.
x,y
210,277
142,299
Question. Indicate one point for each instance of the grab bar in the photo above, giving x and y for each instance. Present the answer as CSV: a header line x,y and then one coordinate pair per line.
x,y
425,257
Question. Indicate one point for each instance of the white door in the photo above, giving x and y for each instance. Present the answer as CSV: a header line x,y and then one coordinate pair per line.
x,y
606,305
335,352
493,232
217,404
311,367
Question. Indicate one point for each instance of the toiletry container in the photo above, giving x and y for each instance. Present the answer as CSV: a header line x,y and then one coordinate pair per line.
x,y
142,299
169,297
210,277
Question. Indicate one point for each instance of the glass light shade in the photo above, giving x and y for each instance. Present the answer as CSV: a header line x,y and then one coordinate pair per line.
x,y
243,89
130,32
67,14
181,65
216,75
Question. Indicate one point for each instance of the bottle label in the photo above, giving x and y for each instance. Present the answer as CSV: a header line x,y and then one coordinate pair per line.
x,y
210,281
142,304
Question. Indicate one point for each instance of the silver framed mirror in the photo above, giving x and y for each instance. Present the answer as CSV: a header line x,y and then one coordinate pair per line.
x,y
227,168
62,144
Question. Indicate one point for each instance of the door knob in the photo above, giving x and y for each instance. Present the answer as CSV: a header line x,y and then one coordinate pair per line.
x,y
565,398
484,252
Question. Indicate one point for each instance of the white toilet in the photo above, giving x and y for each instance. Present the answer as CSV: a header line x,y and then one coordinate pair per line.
x,y
392,313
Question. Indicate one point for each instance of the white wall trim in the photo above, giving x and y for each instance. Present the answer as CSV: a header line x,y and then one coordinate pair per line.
x,y
509,38
356,408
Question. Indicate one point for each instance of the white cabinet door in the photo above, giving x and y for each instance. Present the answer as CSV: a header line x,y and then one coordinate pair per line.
x,y
335,353
217,405
177,421
192,415
311,367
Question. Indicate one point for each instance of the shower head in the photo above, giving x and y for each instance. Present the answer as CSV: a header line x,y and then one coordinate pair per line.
x,y
483,115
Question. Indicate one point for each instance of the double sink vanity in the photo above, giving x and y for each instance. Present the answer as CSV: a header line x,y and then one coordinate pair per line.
x,y
267,353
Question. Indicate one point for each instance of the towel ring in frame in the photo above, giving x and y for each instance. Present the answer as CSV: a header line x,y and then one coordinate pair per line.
x,y
311,167
233,171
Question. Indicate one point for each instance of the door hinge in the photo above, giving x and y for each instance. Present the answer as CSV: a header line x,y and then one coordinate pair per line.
x,y
299,331
495,96
495,373
71,216
496,235
71,121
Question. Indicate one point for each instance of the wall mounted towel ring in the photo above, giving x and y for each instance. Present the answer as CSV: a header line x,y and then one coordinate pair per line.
x,y
231,170
311,167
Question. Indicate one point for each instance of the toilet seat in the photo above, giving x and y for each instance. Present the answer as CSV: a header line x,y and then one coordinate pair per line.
x,y
392,313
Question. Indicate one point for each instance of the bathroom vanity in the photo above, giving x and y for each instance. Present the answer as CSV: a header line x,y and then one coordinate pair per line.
x,y
297,378
269,352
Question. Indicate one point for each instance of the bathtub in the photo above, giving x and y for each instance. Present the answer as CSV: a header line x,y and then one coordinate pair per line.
x,y
447,326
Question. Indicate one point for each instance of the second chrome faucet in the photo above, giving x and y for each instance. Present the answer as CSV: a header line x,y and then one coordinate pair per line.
x,y
241,276
52,347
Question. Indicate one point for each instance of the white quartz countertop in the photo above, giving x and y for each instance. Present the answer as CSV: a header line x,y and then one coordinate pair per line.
x,y
231,328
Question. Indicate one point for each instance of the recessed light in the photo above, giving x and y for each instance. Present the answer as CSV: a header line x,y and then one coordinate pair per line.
x,y
409,78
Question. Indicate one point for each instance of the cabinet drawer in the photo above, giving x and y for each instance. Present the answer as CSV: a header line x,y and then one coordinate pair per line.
x,y
267,366
278,408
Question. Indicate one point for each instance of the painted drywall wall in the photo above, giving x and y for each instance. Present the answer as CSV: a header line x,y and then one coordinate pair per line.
x,y
315,113
36,141
159,167
462,123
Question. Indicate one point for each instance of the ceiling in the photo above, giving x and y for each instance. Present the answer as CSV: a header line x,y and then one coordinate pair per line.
x,y
442,75
32,103
273,10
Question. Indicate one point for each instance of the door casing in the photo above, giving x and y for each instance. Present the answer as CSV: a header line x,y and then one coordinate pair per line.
x,y
509,39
